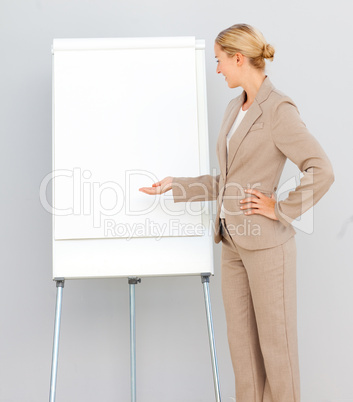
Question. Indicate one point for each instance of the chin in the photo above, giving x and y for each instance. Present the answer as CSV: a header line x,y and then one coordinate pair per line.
x,y
233,86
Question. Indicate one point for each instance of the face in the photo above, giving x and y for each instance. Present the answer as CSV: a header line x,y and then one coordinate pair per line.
x,y
228,66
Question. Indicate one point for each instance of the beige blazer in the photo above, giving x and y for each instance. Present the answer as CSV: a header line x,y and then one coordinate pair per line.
x,y
270,132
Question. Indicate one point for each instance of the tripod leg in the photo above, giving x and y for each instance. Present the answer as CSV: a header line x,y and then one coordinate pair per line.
x,y
205,278
132,283
54,367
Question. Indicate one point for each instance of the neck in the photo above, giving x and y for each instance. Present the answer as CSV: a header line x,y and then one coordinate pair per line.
x,y
251,86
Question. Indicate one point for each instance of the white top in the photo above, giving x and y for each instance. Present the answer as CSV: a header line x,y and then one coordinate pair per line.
x,y
235,125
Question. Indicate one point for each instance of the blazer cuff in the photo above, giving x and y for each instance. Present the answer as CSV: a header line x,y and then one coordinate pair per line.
x,y
178,189
283,218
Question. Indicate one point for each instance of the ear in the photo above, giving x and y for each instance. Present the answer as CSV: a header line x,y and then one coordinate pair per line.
x,y
239,59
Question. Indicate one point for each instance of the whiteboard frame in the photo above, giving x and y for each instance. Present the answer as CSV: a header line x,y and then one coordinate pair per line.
x,y
167,256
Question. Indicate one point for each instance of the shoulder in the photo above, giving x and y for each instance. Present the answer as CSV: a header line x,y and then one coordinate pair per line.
x,y
278,101
283,113
277,107
278,97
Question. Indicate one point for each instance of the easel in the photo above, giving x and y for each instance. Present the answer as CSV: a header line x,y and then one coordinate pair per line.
x,y
60,282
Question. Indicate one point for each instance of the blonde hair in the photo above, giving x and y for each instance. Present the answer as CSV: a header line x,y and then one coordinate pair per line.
x,y
247,40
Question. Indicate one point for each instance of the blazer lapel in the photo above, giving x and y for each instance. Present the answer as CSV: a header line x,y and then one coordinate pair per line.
x,y
222,139
251,116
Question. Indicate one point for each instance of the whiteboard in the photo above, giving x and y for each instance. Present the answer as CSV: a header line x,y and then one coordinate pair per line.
x,y
126,113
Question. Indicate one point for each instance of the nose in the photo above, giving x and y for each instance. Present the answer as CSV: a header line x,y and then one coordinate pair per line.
x,y
218,70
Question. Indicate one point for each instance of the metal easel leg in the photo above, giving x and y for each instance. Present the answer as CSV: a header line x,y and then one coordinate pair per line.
x,y
54,368
205,278
132,283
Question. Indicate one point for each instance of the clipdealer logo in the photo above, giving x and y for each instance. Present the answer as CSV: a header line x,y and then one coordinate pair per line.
x,y
84,197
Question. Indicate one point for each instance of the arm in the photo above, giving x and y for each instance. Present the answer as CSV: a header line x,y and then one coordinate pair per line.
x,y
201,188
293,139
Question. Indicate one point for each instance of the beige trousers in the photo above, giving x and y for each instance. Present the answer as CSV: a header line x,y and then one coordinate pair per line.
x,y
259,295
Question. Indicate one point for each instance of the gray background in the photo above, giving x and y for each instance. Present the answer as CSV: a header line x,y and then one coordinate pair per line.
x,y
312,64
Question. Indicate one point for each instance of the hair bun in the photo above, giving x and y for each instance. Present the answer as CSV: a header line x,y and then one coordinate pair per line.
x,y
248,41
268,52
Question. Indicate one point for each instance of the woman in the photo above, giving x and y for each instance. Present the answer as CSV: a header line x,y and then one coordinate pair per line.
x,y
260,130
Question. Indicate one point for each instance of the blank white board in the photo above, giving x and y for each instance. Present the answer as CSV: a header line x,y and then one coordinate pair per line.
x,y
126,113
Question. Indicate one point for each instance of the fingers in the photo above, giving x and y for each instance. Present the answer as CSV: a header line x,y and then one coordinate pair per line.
x,y
254,205
166,183
262,205
254,211
250,202
250,199
254,191
149,190
250,205
159,187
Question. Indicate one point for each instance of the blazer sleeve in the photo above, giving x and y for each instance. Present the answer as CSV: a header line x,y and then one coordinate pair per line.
x,y
293,139
201,188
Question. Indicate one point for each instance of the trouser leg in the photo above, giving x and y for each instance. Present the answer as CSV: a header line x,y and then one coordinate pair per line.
x,y
242,331
272,280
267,397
